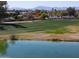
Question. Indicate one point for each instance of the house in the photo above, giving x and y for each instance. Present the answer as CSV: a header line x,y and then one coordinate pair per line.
x,y
68,17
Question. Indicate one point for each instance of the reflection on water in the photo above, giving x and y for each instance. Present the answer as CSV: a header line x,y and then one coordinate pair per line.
x,y
3,47
12,41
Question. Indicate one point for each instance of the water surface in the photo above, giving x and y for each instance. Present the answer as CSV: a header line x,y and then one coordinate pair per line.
x,y
38,49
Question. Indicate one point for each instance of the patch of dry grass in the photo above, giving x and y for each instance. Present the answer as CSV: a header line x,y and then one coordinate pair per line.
x,y
73,28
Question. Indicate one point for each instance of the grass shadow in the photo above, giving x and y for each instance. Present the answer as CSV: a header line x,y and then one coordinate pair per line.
x,y
15,25
2,28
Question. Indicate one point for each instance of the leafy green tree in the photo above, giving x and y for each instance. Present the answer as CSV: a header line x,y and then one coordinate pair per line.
x,y
71,11
54,12
15,14
64,13
3,9
44,15
59,13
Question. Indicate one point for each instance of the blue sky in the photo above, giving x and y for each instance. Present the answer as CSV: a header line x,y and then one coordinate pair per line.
x,y
32,4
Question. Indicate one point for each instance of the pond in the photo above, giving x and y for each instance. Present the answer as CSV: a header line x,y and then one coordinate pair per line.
x,y
38,49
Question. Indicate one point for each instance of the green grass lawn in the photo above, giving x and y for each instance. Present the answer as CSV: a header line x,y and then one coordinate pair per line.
x,y
43,26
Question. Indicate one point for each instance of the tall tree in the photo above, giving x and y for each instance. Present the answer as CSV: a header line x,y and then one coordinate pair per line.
x,y
3,9
71,11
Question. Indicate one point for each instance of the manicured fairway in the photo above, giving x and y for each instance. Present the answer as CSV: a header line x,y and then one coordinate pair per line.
x,y
56,26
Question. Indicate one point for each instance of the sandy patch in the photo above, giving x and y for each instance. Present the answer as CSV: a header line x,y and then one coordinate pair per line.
x,y
42,36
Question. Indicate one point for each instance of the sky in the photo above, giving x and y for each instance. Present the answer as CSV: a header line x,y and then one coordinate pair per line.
x,y
33,4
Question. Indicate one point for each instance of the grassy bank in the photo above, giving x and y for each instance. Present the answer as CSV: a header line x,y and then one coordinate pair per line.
x,y
55,30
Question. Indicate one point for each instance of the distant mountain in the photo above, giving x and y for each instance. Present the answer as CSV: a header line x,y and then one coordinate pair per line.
x,y
42,8
50,8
